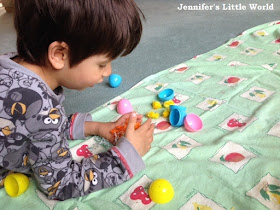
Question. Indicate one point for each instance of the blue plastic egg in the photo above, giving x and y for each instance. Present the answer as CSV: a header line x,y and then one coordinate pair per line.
x,y
166,95
115,80
177,115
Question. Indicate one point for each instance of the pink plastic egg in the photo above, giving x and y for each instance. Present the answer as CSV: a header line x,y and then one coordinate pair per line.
x,y
193,123
124,106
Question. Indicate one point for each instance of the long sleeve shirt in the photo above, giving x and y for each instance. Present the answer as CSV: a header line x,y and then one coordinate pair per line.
x,y
34,134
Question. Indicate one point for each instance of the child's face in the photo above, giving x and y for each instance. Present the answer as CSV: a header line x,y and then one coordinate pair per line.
x,y
89,72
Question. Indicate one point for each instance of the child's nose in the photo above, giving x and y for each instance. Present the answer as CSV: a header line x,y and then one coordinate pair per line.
x,y
108,70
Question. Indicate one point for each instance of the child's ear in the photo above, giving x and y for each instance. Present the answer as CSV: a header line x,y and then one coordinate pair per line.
x,y
58,54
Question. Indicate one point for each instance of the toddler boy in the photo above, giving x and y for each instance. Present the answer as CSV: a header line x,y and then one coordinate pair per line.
x,y
66,43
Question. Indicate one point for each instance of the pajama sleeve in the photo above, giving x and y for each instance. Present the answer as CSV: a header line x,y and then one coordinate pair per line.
x,y
75,126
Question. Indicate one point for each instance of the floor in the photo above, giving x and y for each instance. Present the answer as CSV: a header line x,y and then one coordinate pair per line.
x,y
170,37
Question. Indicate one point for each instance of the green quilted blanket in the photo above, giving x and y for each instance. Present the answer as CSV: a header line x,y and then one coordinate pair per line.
x,y
232,163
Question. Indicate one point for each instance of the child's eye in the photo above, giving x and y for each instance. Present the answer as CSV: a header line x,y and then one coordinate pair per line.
x,y
102,66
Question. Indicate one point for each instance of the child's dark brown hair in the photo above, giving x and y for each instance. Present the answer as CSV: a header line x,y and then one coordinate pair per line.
x,y
89,27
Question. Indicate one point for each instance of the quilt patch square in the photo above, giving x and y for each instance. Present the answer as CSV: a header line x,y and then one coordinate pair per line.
x,y
237,122
113,103
216,57
156,88
181,146
162,125
261,33
210,104
267,192
235,43
276,41
275,130
233,156
89,147
257,94
181,68
231,81
236,64
198,78
136,197
270,66
199,201
251,51
277,53
180,98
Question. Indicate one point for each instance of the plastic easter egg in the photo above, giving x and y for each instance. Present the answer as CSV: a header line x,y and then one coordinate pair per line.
x,y
124,106
177,115
161,191
166,95
193,123
115,80
15,184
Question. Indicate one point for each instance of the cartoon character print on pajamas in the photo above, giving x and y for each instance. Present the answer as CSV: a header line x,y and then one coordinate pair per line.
x,y
60,154
18,108
46,176
105,173
72,184
110,168
113,176
93,180
47,121
79,182
6,127
44,173
6,82
15,140
17,156
19,105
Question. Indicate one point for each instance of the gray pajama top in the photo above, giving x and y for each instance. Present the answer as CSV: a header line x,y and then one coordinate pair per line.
x,y
34,134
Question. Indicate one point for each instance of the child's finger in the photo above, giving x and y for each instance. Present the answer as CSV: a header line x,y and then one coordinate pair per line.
x,y
146,125
125,116
139,121
139,118
151,129
132,120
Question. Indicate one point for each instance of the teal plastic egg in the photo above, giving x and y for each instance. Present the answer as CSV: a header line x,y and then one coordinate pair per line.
x,y
115,80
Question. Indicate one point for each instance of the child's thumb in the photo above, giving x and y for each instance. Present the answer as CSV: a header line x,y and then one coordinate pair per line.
x,y
132,121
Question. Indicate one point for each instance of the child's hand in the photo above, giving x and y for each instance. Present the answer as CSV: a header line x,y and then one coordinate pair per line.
x,y
141,138
122,120
105,128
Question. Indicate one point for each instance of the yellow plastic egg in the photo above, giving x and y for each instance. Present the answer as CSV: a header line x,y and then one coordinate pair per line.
x,y
161,191
15,184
